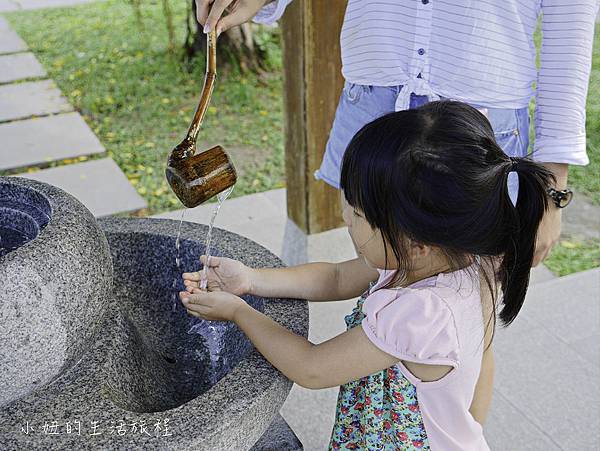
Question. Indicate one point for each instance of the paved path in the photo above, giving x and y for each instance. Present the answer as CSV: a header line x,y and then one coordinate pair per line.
x,y
38,126
20,5
546,395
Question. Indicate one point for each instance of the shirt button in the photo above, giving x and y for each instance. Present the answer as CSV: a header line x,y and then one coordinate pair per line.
x,y
421,51
424,1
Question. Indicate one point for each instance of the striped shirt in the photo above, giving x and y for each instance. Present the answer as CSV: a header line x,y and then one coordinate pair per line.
x,y
477,51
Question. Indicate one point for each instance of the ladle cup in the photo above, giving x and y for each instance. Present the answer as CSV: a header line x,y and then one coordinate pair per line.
x,y
195,178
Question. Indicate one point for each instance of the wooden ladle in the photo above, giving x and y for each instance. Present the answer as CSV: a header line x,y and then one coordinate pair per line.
x,y
195,178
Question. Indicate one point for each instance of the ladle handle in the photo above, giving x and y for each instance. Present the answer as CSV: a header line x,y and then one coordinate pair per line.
x,y
209,82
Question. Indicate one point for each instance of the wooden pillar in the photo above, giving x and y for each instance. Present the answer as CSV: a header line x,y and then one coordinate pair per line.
x,y
312,86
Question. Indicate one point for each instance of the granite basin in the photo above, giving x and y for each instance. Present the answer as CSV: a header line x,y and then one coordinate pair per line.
x,y
160,356
147,382
55,282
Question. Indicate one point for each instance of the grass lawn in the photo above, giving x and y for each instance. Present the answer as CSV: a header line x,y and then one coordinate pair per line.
x,y
570,257
139,99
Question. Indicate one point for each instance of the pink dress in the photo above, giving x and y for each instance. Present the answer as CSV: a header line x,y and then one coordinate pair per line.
x,y
437,321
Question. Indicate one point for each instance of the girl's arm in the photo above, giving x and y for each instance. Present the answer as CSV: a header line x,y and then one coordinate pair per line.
x,y
482,399
344,358
314,281
347,357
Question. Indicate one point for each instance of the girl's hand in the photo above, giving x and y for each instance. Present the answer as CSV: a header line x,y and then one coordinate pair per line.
x,y
211,305
227,274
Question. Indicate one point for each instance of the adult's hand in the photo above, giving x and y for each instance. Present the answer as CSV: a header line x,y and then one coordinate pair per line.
x,y
209,12
548,234
550,226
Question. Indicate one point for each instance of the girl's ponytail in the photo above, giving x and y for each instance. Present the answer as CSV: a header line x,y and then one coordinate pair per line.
x,y
532,203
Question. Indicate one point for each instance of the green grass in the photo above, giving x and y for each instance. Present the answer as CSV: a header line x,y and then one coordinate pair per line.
x,y
570,257
139,97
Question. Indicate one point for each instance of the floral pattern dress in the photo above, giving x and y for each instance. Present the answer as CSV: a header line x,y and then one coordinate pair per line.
x,y
378,412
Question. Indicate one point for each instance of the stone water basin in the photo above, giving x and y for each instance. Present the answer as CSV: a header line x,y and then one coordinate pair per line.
x,y
55,283
145,382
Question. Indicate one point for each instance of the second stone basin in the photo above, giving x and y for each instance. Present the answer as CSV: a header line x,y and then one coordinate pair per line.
x,y
161,357
206,390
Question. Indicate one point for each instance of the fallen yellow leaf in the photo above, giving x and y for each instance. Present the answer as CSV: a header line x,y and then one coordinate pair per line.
x,y
569,244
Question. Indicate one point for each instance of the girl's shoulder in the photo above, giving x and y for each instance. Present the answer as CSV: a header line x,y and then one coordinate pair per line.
x,y
467,277
412,324
420,322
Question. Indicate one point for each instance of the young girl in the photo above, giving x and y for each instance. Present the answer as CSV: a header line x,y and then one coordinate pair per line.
x,y
427,207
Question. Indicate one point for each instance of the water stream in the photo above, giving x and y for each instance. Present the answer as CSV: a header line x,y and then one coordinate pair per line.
x,y
212,332
177,264
221,197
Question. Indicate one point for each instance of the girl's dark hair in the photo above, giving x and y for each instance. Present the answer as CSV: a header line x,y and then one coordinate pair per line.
x,y
436,175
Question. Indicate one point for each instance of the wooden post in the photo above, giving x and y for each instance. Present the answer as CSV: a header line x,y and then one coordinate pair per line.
x,y
312,86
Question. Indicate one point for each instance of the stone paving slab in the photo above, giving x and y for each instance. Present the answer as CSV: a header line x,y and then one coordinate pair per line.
x,y
19,5
42,140
540,274
240,209
8,6
4,25
507,428
36,98
311,414
10,42
100,185
588,347
20,66
542,376
567,307
261,231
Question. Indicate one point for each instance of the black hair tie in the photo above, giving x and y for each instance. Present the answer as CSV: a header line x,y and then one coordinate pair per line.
x,y
514,164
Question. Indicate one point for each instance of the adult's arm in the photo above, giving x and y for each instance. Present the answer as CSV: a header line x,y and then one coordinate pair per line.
x,y
560,138
271,12
565,64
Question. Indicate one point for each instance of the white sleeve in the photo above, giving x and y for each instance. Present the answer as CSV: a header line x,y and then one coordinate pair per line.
x,y
565,62
271,12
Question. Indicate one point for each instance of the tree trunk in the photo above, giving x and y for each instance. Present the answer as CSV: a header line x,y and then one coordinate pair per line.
x,y
236,46
170,27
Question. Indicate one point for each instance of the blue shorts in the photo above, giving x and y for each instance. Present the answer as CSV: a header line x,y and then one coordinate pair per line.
x,y
360,105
